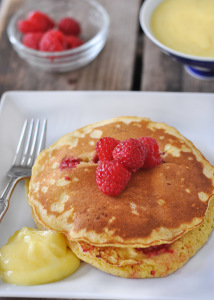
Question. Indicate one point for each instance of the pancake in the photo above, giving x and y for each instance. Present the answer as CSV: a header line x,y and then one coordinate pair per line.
x,y
159,261
158,207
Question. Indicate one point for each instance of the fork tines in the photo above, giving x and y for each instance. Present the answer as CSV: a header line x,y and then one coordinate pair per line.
x,y
31,142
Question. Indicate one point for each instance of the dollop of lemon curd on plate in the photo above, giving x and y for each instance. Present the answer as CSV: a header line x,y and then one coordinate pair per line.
x,y
34,257
186,26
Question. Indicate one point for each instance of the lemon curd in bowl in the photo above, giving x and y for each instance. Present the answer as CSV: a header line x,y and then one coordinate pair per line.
x,y
185,26
183,29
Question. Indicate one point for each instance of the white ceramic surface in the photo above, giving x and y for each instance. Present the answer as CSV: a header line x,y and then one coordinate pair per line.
x,y
191,114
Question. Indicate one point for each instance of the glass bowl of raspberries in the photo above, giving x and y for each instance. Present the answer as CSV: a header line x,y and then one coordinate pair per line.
x,y
60,36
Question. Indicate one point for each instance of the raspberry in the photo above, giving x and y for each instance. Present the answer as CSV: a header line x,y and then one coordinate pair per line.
x,y
112,177
73,41
69,26
153,157
52,41
36,22
25,26
131,153
32,39
69,162
105,146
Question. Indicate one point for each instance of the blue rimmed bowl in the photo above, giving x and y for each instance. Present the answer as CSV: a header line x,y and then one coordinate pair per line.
x,y
199,67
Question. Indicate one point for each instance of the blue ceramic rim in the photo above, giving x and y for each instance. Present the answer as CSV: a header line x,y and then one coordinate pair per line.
x,y
194,63
200,73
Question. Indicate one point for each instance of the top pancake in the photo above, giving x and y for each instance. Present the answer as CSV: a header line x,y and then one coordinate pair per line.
x,y
157,206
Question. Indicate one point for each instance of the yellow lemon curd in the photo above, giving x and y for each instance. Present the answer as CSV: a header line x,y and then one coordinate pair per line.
x,y
35,257
185,25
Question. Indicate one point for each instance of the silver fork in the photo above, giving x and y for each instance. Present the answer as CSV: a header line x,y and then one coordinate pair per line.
x,y
31,142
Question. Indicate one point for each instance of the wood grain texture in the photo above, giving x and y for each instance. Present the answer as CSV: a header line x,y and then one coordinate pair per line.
x,y
190,84
161,73
111,70
4,9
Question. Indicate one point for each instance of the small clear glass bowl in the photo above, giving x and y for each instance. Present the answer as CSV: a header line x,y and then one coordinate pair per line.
x,y
94,22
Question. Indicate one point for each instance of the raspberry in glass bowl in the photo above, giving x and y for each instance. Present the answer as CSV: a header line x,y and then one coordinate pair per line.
x,y
83,44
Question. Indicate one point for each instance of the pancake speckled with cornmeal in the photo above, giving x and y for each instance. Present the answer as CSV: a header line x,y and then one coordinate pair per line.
x,y
158,217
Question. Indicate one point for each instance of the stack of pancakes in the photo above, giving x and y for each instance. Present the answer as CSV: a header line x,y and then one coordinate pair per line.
x,y
161,219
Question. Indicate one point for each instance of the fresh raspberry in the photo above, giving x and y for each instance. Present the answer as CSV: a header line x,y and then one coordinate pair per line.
x,y
69,26
105,146
32,39
73,41
112,177
131,153
41,19
69,162
36,22
25,26
153,157
53,40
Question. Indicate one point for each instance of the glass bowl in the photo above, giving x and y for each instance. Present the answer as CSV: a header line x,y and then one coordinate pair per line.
x,y
94,22
199,67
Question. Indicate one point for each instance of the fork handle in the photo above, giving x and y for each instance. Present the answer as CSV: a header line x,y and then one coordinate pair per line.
x,y
5,197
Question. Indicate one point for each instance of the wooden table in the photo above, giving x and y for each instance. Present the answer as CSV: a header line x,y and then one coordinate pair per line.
x,y
129,60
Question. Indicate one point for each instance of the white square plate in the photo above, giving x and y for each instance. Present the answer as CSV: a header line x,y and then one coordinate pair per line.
x,y
192,114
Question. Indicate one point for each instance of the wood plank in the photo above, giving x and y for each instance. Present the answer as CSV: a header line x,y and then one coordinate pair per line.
x,y
112,70
162,73
4,8
191,84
